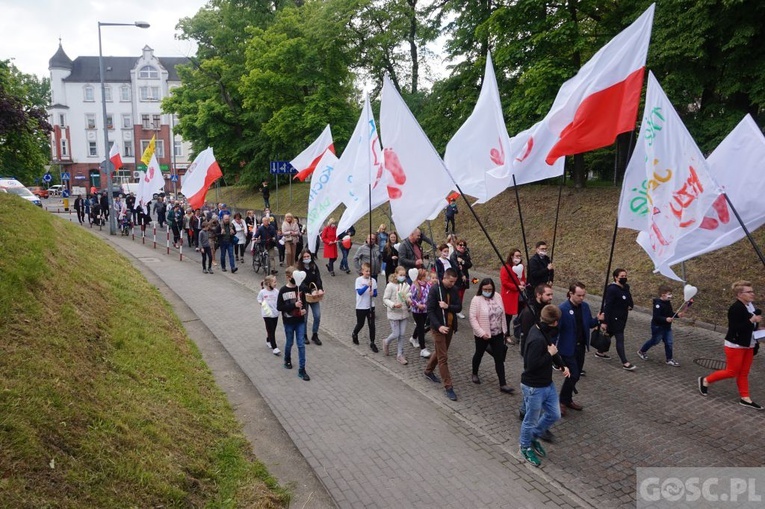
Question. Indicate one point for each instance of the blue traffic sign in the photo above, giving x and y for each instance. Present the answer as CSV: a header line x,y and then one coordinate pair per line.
x,y
282,167
65,176
47,178
173,178
65,193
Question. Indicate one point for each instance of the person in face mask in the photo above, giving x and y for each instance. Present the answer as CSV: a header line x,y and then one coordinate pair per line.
x,y
661,326
539,394
541,269
487,318
617,303
312,283
512,286
397,299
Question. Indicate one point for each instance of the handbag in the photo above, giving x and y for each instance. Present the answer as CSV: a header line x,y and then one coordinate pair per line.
x,y
600,341
310,298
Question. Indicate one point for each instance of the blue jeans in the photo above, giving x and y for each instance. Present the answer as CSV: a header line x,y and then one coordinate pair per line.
x,y
295,332
542,411
227,248
316,312
659,334
344,259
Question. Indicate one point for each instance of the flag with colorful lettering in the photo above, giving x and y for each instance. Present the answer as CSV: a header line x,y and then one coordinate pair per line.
x,y
321,200
676,190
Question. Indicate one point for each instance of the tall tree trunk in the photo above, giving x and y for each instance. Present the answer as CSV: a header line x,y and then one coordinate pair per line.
x,y
579,175
412,38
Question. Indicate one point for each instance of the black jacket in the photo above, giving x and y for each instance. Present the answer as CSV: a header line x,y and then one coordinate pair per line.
x,y
462,268
538,271
435,314
618,302
739,327
537,361
662,309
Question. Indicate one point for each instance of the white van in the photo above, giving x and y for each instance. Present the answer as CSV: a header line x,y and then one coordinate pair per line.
x,y
128,188
13,186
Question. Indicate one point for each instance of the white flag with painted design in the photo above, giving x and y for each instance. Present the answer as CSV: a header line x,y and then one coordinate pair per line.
x,y
153,181
417,177
678,189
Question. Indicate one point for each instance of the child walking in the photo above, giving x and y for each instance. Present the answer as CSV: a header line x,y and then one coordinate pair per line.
x,y
267,298
661,326
366,290
397,301
292,304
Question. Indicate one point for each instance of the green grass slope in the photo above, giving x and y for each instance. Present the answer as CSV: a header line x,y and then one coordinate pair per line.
x,y
104,401
585,230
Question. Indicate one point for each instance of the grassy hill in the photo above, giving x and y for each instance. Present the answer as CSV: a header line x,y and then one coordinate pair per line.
x,y
583,241
104,401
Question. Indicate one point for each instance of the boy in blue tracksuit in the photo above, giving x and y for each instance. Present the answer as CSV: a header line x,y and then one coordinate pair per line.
x,y
661,326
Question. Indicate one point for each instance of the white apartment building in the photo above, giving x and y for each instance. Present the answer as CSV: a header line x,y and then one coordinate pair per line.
x,y
134,91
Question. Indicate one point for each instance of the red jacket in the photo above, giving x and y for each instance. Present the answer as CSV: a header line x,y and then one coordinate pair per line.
x,y
329,238
509,290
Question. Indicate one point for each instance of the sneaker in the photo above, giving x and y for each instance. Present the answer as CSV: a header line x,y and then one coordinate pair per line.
x,y
582,373
316,340
355,338
750,404
268,345
460,315
432,377
210,271
224,269
306,341
287,364
530,456
629,366
425,353
538,448
204,271
373,347
277,351
234,269
602,355
642,355
386,347
673,362
402,360
703,389
547,436
414,342
506,389
302,374
475,379
451,394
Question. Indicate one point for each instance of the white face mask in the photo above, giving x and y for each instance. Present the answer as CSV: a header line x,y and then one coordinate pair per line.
x,y
486,294
401,279
306,260
669,296
516,261
543,252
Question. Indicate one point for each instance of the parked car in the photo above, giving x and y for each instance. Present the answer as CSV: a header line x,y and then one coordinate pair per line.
x,y
13,186
40,192
55,190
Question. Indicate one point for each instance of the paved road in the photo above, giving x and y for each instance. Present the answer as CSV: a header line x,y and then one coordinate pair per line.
x,y
378,434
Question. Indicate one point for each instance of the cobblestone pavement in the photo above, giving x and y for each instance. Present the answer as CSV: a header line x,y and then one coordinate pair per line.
x,y
378,434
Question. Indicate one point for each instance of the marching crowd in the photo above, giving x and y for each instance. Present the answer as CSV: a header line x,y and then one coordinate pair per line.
x,y
431,285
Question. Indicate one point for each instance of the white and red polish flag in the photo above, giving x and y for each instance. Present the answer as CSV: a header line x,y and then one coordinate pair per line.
x,y
601,101
305,162
675,190
115,157
152,181
482,143
199,177
417,177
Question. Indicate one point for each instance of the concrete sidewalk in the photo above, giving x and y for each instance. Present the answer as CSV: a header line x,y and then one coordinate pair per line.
x,y
379,434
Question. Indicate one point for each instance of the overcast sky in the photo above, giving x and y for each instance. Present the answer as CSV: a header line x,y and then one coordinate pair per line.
x,y
30,29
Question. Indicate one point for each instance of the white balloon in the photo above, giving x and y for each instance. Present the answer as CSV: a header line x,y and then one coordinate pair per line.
x,y
299,277
413,273
396,245
518,269
689,291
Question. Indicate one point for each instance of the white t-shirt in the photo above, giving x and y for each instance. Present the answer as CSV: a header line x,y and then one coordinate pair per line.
x,y
364,301
269,297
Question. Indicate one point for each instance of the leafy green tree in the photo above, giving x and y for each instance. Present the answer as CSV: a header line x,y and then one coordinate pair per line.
x,y
24,127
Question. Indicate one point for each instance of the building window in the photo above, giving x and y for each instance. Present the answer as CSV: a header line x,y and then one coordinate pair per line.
x,y
108,93
64,149
127,150
92,149
90,121
149,93
178,148
156,121
159,148
125,93
109,121
87,93
148,72
127,122
62,120
146,121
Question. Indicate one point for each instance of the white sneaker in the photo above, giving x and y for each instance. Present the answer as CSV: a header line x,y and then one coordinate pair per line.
x,y
268,345
673,362
425,353
277,351
460,315
414,342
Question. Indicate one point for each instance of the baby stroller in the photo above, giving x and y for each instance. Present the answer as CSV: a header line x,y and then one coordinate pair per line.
x,y
125,224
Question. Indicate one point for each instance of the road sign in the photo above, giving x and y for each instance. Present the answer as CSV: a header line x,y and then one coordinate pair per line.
x,y
174,178
65,176
65,193
47,178
281,167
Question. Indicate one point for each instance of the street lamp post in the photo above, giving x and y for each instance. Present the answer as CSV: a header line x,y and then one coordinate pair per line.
x,y
107,161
